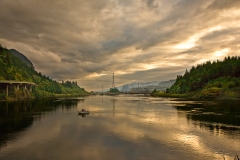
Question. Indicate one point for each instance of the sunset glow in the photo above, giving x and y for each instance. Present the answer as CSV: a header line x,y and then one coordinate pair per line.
x,y
81,40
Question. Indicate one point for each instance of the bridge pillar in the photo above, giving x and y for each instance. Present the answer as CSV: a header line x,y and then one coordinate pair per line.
x,y
30,88
17,86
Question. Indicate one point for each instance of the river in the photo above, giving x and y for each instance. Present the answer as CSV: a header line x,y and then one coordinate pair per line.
x,y
129,127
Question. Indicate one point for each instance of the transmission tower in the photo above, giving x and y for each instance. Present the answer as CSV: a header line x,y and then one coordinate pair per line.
x,y
113,85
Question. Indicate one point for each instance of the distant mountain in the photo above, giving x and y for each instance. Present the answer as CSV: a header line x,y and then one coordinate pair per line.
x,y
22,57
127,87
167,83
142,84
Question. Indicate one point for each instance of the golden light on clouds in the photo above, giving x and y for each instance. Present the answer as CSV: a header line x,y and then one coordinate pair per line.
x,y
191,42
222,53
149,66
96,38
187,44
94,75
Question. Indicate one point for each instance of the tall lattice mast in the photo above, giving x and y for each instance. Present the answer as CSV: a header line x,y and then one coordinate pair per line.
x,y
113,84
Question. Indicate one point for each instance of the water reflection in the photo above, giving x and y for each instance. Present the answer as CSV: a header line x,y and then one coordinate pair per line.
x,y
17,116
120,127
83,114
216,117
113,104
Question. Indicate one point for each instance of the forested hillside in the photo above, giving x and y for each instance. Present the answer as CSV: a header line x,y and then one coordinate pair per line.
x,y
210,79
13,68
22,57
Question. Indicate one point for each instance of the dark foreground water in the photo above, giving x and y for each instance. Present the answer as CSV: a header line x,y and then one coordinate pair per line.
x,y
119,128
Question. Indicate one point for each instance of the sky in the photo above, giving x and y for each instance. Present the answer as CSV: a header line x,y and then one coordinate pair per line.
x,y
137,40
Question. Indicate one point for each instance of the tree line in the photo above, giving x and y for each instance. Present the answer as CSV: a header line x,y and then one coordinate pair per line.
x,y
220,74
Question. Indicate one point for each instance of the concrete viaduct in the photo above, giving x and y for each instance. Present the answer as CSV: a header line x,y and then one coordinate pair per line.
x,y
5,84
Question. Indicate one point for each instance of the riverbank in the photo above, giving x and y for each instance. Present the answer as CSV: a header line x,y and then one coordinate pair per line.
x,y
205,94
42,97
69,95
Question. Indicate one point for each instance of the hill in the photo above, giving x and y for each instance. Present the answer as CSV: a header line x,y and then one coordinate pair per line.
x,y
127,87
157,84
167,83
218,79
22,57
15,66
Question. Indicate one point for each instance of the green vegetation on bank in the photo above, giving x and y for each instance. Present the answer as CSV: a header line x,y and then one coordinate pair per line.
x,y
114,90
220,79
14,68
169,95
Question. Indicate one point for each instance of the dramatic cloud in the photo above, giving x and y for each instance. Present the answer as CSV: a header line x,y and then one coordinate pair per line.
x,y
140,40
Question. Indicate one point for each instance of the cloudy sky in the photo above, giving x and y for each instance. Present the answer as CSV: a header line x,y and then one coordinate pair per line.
x,y
138,40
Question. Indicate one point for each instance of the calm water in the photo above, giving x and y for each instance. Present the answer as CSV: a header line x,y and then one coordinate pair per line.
x,y
119,128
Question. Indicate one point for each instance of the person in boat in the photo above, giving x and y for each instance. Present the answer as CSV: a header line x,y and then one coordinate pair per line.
x,y
83,110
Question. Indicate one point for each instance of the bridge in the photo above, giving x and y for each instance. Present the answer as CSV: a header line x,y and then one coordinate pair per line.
x,y
138,93
143,93
7,84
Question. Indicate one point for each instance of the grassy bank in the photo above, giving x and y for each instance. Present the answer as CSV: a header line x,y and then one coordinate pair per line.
x,y
204,94
162,94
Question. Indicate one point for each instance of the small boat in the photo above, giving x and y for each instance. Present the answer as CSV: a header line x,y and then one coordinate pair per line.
x,y
83,112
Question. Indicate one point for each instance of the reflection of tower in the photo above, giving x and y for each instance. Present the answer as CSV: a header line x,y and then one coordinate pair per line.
x,y
114,108
113,85
113,100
